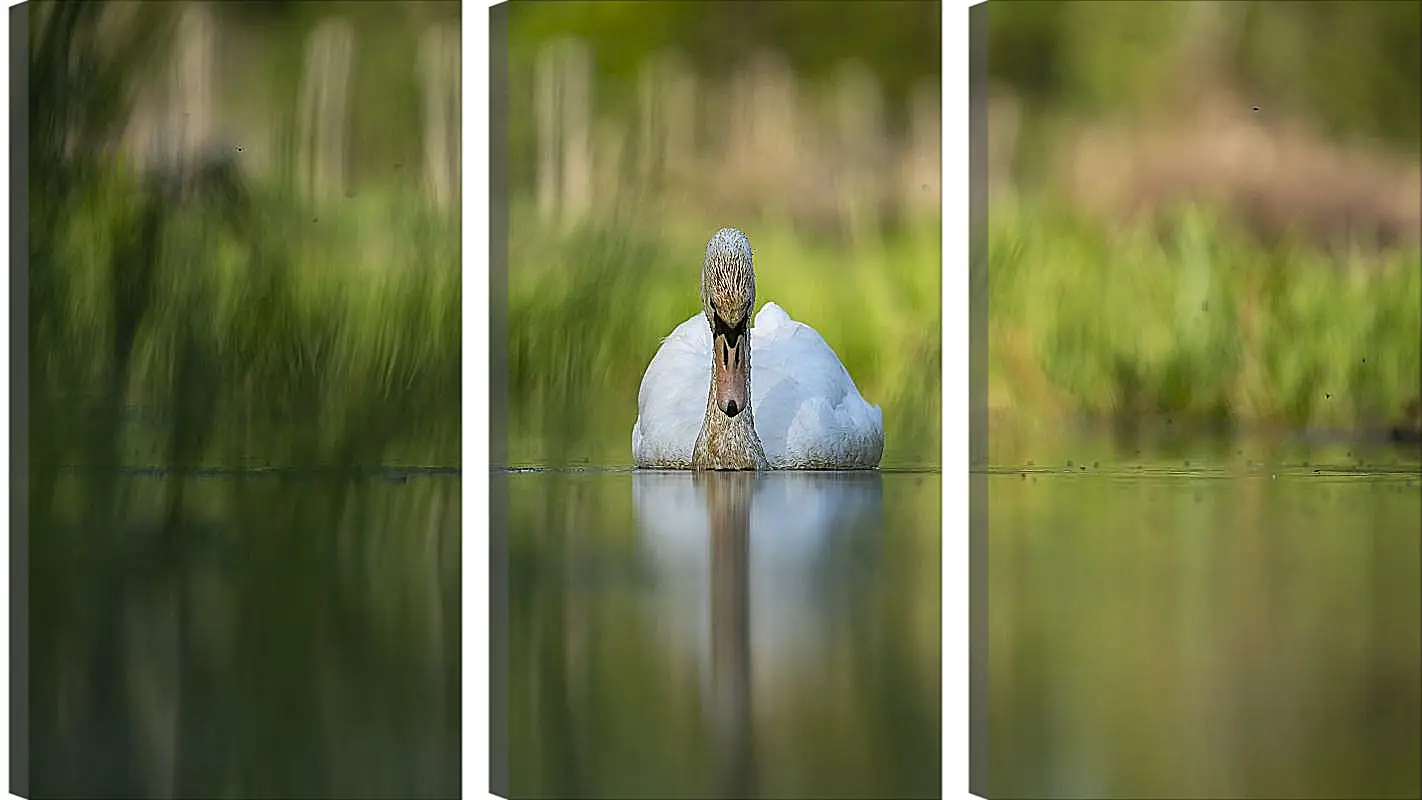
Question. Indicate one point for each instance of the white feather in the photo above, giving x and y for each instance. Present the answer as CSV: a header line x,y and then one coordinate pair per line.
x,y
808,412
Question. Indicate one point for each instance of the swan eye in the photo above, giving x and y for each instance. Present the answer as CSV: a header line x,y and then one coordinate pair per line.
x,y
732,333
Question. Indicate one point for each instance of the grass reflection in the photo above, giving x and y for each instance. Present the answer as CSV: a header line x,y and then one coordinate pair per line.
x,y
300,638
1241,638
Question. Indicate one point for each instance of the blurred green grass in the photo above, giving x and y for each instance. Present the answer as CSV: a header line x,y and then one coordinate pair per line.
x,y
588,309
192,312
274,334
1184,316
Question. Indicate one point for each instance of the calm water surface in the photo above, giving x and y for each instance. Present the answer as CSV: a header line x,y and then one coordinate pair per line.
x,y
245,635
724,635
1195,618
1167,618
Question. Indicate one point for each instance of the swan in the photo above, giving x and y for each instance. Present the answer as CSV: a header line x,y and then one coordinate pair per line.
x,y
803,411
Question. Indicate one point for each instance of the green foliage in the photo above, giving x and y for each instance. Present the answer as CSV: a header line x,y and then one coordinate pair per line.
x,y
1071,54
252,326
901,39
1355,68
81,85
1189,318
343,333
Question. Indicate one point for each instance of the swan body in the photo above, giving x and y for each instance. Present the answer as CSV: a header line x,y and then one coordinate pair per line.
x,y
803,410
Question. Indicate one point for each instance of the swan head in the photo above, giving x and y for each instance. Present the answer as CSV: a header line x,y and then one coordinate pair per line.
x,y
727,300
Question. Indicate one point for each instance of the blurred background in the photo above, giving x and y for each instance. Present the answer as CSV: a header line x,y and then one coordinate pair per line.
x,y
638,129
257,204
1204,371
1206,210
244,411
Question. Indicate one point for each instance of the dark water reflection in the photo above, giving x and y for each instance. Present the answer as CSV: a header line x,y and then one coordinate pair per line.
x,y
266,636
724,635
1229,619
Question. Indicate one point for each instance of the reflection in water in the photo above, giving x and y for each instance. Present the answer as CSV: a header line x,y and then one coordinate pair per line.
x,y
781,523
803,532
766,634
728,501
1204,633
294,636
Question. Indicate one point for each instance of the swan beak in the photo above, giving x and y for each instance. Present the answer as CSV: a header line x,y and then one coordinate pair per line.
x,y
731,374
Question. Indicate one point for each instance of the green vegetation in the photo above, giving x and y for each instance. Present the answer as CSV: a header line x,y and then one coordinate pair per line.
x,y
202,317
899,37
1186,317
1271,275
276,336
588,309
1351,67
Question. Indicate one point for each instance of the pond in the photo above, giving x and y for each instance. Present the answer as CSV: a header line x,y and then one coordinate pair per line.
x,y
674,634
1203,617
1173,615
240,633
1168,617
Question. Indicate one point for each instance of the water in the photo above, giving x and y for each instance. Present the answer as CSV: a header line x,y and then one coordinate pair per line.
x,y
674,634
1170,615
1204,618
245,634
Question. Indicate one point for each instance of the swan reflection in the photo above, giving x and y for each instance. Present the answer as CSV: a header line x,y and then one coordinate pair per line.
x,y
752,571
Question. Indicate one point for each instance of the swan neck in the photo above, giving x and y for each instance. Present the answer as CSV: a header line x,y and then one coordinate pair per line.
x,y
726,442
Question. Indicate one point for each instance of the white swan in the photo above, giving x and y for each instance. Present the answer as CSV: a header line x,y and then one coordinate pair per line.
x,y
804,411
